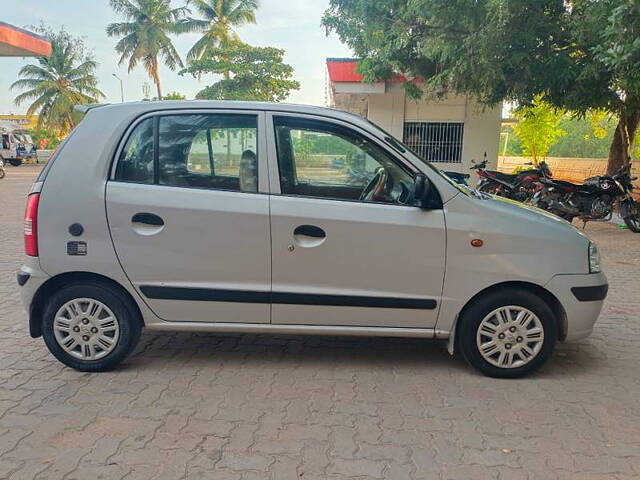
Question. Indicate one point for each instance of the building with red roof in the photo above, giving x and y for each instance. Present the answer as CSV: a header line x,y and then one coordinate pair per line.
x,y
16,42
450,131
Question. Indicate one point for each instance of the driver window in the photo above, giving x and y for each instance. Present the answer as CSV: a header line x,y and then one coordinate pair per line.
x,y
319,159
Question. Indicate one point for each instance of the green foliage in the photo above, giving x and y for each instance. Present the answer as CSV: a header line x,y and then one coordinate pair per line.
x,y
255,73
538,128
55,84
46,138
220,17
588,137
303,147
581,54
145,36
514,147
174,96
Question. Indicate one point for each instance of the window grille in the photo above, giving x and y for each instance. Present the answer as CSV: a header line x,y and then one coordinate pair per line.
x,y
435,141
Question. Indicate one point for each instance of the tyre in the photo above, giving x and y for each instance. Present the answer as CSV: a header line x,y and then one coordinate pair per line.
x,y
2,173
633,223
508,333
91,326
631,214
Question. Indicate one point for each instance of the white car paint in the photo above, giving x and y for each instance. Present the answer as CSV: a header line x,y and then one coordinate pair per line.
x,y
371,250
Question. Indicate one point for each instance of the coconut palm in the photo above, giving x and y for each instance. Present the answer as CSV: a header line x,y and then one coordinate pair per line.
x,y
145,34
220,19
57,83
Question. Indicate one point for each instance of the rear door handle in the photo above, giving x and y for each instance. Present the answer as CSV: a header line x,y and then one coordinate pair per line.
x,y
148,219
310,231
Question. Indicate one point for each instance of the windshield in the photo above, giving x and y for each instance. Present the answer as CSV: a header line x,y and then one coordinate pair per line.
x,y
403,148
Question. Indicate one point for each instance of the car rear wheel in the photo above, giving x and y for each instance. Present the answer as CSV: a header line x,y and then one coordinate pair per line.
x,y
90,327
507,334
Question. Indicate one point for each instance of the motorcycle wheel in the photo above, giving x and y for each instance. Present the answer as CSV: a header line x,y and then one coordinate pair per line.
x,y
2,173
631,215
487,187
633,222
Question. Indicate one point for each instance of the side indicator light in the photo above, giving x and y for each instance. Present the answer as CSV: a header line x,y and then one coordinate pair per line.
x,y
476,242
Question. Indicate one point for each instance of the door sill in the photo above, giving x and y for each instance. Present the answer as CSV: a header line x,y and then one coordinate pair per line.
x,y
267,328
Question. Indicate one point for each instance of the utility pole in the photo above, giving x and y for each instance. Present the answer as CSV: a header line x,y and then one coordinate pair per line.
x,y
121,87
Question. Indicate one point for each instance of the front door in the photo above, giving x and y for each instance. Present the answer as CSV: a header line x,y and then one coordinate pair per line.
x,y
349,248
189,216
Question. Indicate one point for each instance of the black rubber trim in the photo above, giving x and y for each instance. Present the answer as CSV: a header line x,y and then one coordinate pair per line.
x,y
245,296
22,278
590,294
352,301
205,294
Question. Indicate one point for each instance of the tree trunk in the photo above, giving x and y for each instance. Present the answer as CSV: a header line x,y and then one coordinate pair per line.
x,y
625,133
155,73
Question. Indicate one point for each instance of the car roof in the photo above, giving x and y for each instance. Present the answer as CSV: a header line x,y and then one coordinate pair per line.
x,y
140,108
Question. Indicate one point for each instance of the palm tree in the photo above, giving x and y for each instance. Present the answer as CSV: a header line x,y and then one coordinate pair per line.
x,y
57,83
145,36
220,18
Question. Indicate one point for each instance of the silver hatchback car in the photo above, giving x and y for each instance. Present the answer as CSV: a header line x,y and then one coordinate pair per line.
x,y
260,218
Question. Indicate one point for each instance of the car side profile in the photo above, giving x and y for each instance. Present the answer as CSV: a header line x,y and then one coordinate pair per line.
x,y
272,218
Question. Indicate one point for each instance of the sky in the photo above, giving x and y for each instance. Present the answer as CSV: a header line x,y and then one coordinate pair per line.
x,y
292,25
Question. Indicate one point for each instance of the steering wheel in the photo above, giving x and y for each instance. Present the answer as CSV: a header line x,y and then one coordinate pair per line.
x,y
373,191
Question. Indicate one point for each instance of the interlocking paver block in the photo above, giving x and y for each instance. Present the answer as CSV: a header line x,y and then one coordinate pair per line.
x,y
251,407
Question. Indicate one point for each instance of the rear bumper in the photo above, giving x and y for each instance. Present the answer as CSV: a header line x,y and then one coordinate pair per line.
x,y
30,278
582,297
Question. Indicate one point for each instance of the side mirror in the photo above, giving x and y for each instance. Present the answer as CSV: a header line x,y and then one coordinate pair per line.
x,y
419,189
425,195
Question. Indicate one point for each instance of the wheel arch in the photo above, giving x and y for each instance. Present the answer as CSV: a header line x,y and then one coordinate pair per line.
x,y
55,283
550,299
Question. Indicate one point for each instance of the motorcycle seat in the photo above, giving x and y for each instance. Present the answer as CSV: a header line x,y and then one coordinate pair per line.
x,y
560,183
503,177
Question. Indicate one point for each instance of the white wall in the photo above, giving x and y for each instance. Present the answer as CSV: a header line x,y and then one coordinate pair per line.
x,y
481,124
387,111
481,134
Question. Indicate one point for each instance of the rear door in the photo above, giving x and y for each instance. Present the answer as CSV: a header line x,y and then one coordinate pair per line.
x,y
339,259
188,211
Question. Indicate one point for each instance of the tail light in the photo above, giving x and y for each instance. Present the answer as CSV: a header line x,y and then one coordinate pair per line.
x,y
31,225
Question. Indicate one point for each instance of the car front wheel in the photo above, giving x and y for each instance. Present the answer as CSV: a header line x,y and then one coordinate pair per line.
x,y
90,327
507,334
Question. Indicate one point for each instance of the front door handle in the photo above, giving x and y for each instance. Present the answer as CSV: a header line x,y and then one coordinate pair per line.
x,y
310,231
308,236
148,219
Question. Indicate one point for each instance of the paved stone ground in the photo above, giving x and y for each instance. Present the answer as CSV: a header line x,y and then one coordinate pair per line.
x,y
262,407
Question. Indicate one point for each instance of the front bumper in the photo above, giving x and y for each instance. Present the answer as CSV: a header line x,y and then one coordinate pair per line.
x,y
582,297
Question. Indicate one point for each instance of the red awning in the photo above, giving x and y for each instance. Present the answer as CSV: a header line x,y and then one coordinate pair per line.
x,y
343,70
16,42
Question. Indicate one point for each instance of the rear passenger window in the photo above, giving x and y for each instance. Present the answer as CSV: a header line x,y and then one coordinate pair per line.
x,y
136,159
209,151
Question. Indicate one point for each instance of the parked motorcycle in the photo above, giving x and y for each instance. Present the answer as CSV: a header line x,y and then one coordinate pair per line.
x,y
595,199
520,186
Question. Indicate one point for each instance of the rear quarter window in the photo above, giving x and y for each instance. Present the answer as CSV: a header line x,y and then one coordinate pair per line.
x,y
135,163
